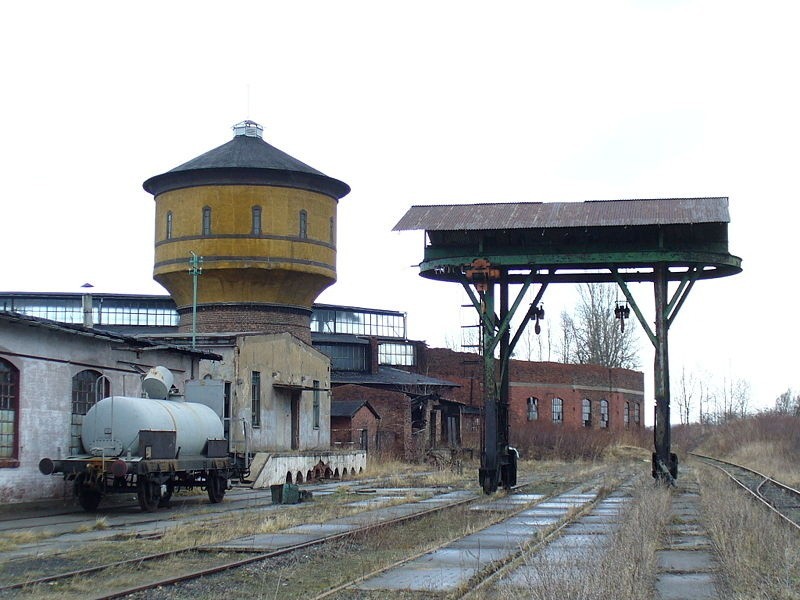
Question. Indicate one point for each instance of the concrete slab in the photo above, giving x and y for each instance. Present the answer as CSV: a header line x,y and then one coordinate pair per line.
x,y
321,529
690,542
419,579
265,542
686,586
683,561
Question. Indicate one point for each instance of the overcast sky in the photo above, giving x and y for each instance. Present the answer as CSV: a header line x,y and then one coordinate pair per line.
x,y
416,103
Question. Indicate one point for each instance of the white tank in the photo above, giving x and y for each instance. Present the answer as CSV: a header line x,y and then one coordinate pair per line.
x,y
111,427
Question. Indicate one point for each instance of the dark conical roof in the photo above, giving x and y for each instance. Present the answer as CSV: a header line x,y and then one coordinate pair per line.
x,y
246,159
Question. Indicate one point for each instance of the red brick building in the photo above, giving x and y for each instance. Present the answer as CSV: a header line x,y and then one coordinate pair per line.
x,y
545,395
354,424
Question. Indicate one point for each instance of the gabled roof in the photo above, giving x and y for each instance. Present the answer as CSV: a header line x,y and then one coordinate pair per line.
x,y
349,408
80,330
388,377
538,215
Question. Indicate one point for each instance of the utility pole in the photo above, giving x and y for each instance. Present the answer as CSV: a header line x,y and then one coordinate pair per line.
x,y
195,269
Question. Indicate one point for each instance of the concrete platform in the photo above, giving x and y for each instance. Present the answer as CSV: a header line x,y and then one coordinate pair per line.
x,y
687,566
447,568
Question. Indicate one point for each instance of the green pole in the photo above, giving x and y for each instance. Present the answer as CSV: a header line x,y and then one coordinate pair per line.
x,y
195,269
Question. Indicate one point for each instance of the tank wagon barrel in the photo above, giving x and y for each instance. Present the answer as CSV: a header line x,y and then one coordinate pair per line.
x,y
150,446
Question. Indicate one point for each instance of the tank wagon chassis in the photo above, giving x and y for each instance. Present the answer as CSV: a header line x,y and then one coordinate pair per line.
x,y
152,480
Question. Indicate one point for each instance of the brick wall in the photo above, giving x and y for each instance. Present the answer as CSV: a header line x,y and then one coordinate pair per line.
x,y
393,431
544,381
241,318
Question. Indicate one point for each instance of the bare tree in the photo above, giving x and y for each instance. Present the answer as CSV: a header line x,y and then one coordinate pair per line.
x,y
566,344
687,391
593,335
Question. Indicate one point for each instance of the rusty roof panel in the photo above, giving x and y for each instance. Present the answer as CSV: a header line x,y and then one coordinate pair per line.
x,y
533,215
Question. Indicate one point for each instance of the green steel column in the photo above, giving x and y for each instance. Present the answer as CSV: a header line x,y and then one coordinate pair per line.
x,y
488,475
664,467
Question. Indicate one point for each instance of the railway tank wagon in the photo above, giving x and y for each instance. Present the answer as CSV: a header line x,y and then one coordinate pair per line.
x,y
152,446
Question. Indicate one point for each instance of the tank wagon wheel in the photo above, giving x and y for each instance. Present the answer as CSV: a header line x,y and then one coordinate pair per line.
x,y
163,501
147,494
216,485
88,498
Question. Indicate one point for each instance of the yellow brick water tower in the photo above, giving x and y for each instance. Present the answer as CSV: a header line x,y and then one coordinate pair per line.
x,y
264,224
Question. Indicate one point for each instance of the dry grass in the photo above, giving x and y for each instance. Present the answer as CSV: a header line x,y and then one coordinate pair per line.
x,y
759,554
13,539
621,571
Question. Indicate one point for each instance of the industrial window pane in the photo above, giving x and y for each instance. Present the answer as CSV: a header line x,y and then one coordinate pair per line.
x,y
636,412
396,354
627,414
603,413
558,410
317,396
9,404
345,357
533,409
255,399
587,412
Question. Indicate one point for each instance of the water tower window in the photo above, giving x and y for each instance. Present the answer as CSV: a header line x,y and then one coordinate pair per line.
x,y
256,220
206,220
169,225
303,224
333,231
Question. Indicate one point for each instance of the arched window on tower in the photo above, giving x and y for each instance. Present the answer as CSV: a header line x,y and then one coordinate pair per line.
x,y
169,225
626,416
587,412
603,414
88,387
9,414
636,416
303,224
558,410
206,220
256,230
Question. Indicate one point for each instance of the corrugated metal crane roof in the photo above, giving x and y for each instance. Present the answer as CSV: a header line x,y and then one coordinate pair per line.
x,y
596,213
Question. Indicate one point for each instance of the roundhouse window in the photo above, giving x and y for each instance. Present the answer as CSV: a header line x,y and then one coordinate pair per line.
x,y
86,391
587,412
558,410
604,413
206,220
533,409
9,408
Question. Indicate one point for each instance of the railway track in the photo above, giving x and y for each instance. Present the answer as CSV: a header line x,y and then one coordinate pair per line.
x,y
195,563
780,498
